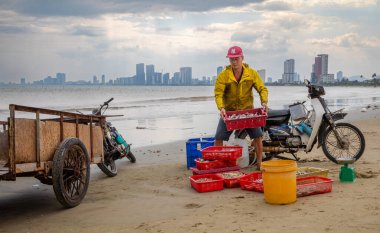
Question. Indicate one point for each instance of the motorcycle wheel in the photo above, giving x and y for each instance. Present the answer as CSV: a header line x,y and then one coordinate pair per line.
x,y
108,167
353,142
131,157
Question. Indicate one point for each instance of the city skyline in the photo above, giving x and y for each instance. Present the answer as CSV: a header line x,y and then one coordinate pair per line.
x,y
95,37
145,75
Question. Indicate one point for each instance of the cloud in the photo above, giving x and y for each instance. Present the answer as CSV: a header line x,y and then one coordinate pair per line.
x,y
273,6
299,4
13,29
349,40
87,31
261,42
92,8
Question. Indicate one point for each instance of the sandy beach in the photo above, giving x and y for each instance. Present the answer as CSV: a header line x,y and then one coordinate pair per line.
x,y
154,195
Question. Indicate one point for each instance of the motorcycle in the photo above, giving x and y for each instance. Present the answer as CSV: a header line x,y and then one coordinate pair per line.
x,y
297,128
115,147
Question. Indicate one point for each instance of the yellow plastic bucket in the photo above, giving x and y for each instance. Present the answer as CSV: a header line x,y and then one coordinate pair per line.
x,y
280,182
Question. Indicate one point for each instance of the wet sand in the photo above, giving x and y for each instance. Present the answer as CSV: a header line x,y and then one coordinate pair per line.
x,y
154,195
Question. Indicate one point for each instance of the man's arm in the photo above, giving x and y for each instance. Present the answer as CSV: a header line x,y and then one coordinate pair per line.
x,y
261,89
219,91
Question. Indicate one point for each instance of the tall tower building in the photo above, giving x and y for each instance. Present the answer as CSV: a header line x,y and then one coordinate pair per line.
x,y
262,74
61,78
157,78
165,79
140,74
339,76
176,80
103,79
95,80
149,74
320,67
186,75
324,63
289,76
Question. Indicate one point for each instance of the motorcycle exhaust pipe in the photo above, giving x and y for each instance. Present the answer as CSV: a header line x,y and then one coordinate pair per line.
x,y
275,149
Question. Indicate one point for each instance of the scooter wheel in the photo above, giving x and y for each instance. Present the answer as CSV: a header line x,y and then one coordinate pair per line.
x,y
131,157
352,142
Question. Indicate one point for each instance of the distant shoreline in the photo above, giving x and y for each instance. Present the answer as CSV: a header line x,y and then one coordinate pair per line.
x,y
342,84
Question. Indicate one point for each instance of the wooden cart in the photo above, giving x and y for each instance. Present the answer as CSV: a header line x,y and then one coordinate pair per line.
x,y
57,150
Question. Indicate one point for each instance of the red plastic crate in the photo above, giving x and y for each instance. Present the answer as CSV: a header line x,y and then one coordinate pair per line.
x,y
207,186
212,164
252,182
305,185
196,171
258,120
313,185
232,182
222,152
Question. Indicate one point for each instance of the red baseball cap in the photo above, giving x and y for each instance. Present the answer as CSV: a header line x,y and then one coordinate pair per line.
x,y
234,51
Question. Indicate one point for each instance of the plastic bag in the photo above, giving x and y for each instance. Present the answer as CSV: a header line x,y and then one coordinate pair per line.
x,y
243,161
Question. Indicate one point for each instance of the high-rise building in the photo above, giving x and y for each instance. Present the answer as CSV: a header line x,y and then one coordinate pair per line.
x,y
50,80
339,76
186,75
22,81
103,79
320,67
61,78
140,74
324,63
176,80
149,74
327,78
289,76
262,74
157,78
218,70
95,80
165,78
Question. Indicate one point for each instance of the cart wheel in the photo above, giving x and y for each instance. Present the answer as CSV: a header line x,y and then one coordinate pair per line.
x,y
71,172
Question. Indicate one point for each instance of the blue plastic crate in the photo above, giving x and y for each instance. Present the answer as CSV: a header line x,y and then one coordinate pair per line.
x,y
194,147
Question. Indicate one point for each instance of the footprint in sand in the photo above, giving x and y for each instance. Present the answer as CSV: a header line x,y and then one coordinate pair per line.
x,y
365,175
193,206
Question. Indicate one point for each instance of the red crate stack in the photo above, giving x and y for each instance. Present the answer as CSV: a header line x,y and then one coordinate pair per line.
x,y
216,159
202,164
229,153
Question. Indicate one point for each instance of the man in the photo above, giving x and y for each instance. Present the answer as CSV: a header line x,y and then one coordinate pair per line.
x,y
233,91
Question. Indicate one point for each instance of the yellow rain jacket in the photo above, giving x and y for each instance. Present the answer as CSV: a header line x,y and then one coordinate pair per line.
x,y
232,95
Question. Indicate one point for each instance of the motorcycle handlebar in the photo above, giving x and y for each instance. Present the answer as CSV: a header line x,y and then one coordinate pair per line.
x,y
97,111
108,101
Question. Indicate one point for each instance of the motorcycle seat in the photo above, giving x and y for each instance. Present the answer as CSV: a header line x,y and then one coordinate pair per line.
x,y
277,117
278,113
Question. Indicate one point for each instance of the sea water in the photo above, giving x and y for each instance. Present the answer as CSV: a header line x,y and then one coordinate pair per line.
x,y
160,114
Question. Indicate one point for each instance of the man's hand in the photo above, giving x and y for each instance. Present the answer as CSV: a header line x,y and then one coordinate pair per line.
x,y
264,105
222,113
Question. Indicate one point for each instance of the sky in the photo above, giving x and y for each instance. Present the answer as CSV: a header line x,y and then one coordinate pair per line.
x,y
39,38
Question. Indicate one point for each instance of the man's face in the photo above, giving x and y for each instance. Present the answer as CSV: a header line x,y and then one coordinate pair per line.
x,y
236,62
